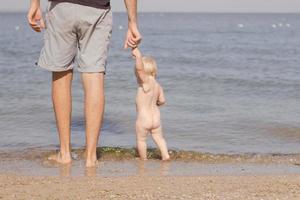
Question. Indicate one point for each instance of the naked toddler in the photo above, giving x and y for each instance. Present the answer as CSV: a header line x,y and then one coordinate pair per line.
x,y
149,97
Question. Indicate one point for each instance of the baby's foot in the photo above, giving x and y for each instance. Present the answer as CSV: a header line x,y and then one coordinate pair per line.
x,y
62,159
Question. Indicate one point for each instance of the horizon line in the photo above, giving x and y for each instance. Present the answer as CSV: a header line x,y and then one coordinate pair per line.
x,y
183,12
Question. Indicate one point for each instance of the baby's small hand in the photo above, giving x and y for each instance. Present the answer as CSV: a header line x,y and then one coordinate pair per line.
x,y
159,103
136,52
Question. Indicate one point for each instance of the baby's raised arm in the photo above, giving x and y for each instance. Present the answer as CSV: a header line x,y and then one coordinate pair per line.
x,y
141,76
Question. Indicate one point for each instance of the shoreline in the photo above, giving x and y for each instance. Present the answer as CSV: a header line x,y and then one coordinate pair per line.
x,y
30,176
107,153
116,161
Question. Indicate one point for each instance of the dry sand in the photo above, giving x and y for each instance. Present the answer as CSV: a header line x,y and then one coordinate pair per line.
x,y
139,187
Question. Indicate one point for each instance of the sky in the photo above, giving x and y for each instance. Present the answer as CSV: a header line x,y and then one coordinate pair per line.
x,y
185,5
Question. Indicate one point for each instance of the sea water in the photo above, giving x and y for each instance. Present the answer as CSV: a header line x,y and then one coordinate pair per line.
x,y
232,84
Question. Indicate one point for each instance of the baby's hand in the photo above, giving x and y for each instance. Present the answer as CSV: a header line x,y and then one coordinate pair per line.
x,y
160,103
136,53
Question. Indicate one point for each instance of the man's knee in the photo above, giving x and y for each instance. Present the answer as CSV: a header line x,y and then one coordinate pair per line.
x,y
62,75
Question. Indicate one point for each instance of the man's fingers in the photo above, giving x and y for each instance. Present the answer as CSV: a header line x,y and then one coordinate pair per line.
x,y
39,18
131,43
31,21
42,24
137,36
125,45
36,28
137,39
33,24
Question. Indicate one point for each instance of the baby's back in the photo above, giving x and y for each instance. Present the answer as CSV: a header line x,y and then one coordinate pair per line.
x,y
148,114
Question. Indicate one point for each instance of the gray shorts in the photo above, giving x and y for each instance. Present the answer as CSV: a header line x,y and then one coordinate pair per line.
x,y
76,33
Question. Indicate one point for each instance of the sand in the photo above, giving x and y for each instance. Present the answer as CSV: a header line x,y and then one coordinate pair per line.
x,y
147,187
27,176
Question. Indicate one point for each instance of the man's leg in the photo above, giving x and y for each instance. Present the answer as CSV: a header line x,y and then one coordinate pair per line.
x,y
93,84
62,103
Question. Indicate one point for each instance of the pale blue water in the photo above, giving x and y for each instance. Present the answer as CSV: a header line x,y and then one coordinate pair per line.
x,y
232,83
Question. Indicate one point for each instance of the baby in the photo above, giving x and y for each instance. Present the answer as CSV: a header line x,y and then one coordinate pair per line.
x,y
149,97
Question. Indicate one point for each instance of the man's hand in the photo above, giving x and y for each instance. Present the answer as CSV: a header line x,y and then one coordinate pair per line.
x,y
133,37
35,17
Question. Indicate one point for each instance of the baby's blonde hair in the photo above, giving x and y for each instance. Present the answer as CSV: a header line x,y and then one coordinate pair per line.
x,y
150,66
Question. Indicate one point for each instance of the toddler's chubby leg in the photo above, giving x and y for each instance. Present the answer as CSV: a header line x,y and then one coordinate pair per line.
x,y
158,138
141,137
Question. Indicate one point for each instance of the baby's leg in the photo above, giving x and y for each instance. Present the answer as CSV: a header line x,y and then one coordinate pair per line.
x,y
160,142
141,137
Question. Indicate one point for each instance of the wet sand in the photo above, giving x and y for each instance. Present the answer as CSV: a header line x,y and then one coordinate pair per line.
x,y
139,187
120,175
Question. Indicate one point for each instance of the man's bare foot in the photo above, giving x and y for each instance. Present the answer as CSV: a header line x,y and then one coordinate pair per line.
x,y
167,158
62,159
91,163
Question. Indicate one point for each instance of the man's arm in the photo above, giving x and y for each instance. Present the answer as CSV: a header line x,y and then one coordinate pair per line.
x,y
133,37
131,6
35,17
